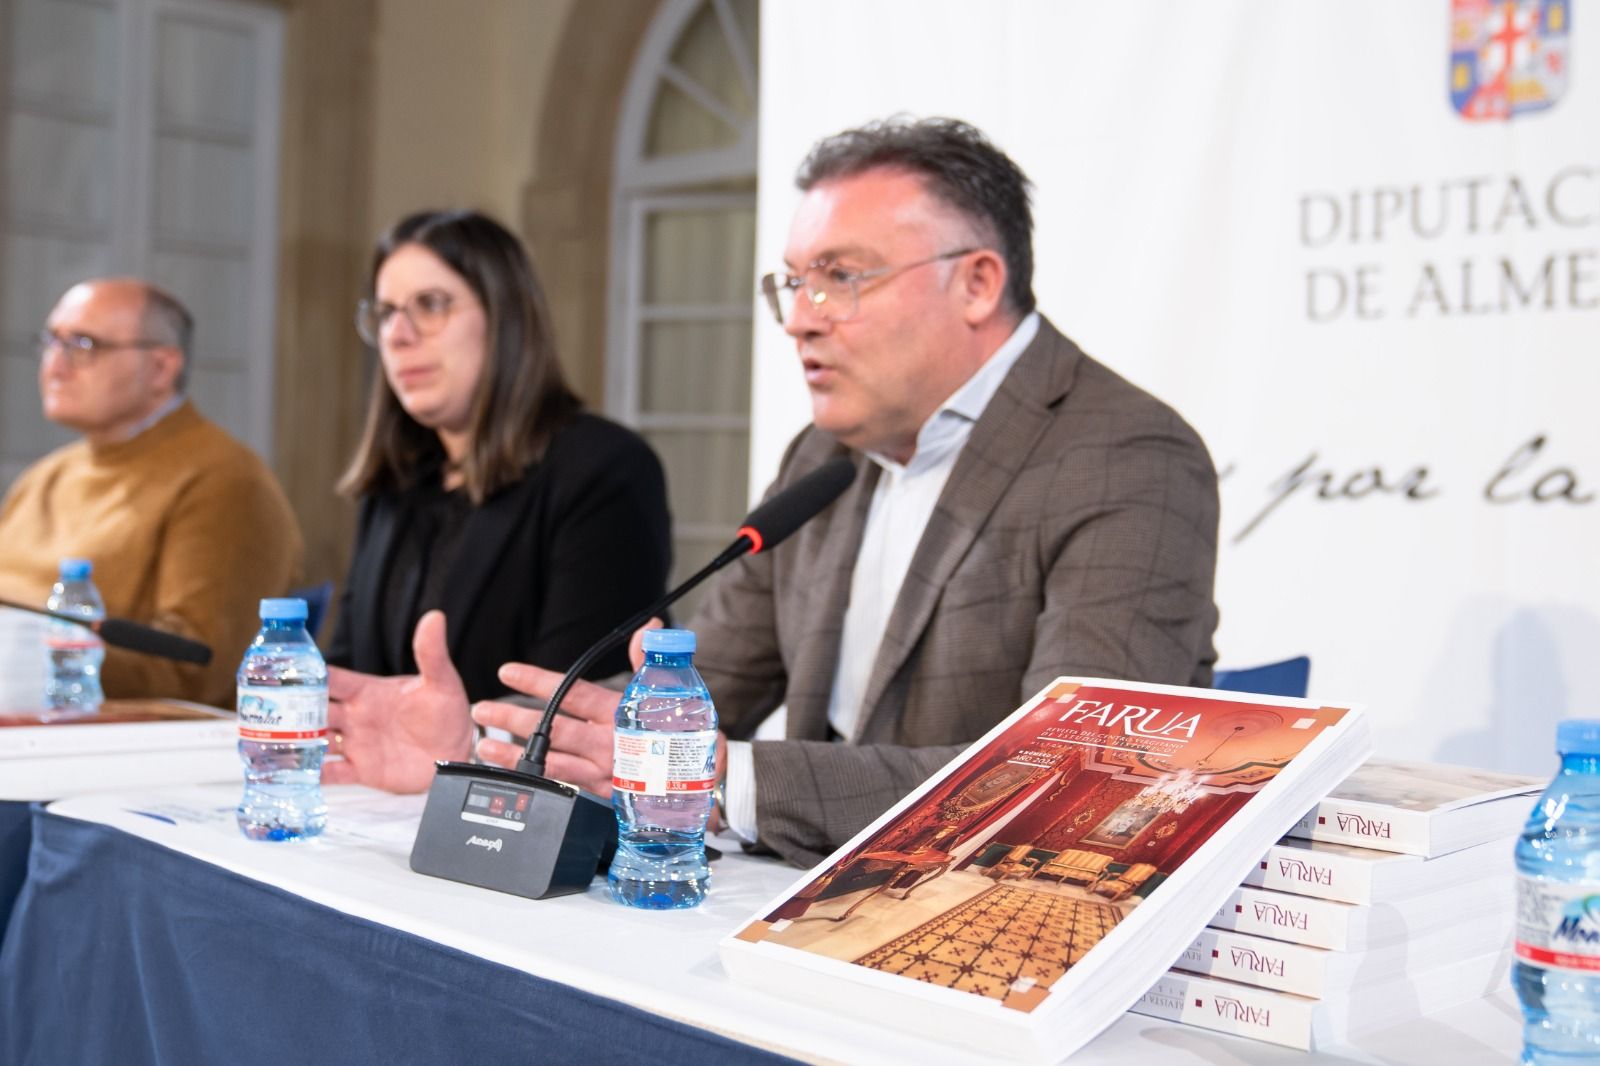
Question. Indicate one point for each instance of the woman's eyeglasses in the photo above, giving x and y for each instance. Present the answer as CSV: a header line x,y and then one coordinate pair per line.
x,y
427,311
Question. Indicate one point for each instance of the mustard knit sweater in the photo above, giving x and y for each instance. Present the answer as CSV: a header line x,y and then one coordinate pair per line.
x,y
187,530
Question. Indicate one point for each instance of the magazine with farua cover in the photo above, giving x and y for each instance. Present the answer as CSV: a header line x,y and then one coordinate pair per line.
x,y
1030,891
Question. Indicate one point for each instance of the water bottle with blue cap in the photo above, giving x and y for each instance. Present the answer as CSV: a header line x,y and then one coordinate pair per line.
x,y
1557,971
75,652
663,773
283,727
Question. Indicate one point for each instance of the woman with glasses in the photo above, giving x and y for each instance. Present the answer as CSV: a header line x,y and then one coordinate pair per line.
x,y
485,490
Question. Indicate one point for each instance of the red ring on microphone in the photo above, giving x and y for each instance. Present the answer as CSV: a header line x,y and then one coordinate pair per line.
x,y
754,535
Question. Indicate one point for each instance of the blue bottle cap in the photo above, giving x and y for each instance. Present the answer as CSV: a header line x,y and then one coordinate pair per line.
x,y
1578,736
287,609
672,641
76,569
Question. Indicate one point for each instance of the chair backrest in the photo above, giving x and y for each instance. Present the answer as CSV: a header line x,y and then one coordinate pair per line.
x,y
317,598
992,853
1080,859
1289,678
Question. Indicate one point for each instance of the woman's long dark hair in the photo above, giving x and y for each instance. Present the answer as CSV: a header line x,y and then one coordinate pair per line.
x,y
522,398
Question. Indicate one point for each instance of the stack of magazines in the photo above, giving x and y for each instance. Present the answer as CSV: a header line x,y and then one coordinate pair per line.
x,y
1026,895
1393,898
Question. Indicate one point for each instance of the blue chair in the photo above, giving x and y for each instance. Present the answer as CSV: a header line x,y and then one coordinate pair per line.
x,y
1288,678
317,598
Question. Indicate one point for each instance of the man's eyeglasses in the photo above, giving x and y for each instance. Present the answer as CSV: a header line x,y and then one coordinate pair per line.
x,y
427,311
833,291
81,348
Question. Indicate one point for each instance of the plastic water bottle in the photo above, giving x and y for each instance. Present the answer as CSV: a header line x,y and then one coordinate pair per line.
x,y
283,727
663,772
75,652
1557,972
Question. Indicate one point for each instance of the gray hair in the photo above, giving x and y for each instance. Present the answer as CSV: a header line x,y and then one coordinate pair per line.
x,y
167,321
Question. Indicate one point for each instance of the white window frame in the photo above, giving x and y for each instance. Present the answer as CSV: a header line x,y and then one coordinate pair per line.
x,y
627,405
644,185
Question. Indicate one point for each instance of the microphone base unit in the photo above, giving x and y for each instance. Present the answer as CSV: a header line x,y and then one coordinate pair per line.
x,y
512,832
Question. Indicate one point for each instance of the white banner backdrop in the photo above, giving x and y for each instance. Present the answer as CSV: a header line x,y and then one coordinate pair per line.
x,y
1383,317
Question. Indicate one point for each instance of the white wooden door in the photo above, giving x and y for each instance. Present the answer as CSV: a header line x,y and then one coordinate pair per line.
x,y
141,137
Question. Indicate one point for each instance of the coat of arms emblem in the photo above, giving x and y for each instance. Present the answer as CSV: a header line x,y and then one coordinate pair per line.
x,y
1507,57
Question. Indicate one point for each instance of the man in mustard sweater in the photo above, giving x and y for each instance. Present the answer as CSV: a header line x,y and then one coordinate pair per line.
x,y
186,527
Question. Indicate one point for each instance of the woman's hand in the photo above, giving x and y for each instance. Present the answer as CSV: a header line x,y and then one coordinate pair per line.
x,y
390,730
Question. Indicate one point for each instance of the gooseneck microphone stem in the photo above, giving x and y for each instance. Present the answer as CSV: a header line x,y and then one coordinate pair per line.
x,y
533,759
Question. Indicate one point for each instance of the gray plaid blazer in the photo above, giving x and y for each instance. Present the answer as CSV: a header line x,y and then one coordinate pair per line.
x,y
1077,534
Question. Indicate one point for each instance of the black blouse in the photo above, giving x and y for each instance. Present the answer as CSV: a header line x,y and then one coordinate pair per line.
x,y
426,542
536,573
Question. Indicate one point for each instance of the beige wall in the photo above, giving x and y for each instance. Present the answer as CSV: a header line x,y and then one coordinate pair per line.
x,y
509,106
458,90
323,241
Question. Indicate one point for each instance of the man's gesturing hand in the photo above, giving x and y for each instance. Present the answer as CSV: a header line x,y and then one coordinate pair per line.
x,y
580,737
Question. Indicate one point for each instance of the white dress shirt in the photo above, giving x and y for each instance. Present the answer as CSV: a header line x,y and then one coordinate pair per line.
x,y
902,502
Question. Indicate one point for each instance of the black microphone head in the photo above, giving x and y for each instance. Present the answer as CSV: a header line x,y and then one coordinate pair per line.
x,y
772,522
121,633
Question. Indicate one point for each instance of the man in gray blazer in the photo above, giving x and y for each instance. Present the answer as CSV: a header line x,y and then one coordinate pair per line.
x,y
1019,511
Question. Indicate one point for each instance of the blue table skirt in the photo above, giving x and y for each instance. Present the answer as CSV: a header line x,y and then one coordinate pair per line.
x,y
123,951
15,835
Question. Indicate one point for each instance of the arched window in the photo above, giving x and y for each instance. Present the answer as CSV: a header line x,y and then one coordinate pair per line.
x,y
682,278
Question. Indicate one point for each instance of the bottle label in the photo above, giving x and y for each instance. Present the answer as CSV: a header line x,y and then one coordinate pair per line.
x,y
277,714
65,636
1558,923
653,763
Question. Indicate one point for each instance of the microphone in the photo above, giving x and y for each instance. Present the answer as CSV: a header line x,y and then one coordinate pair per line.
x,y
132,636
555,837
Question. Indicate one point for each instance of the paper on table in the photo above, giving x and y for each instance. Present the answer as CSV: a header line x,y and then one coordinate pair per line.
x,y
377,818
354,816
22,660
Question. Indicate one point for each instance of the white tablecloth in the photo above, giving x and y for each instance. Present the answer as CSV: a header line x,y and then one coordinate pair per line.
x,y
667,961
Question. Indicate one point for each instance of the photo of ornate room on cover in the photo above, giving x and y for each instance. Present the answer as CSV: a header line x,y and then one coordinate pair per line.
x,y
1013,868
